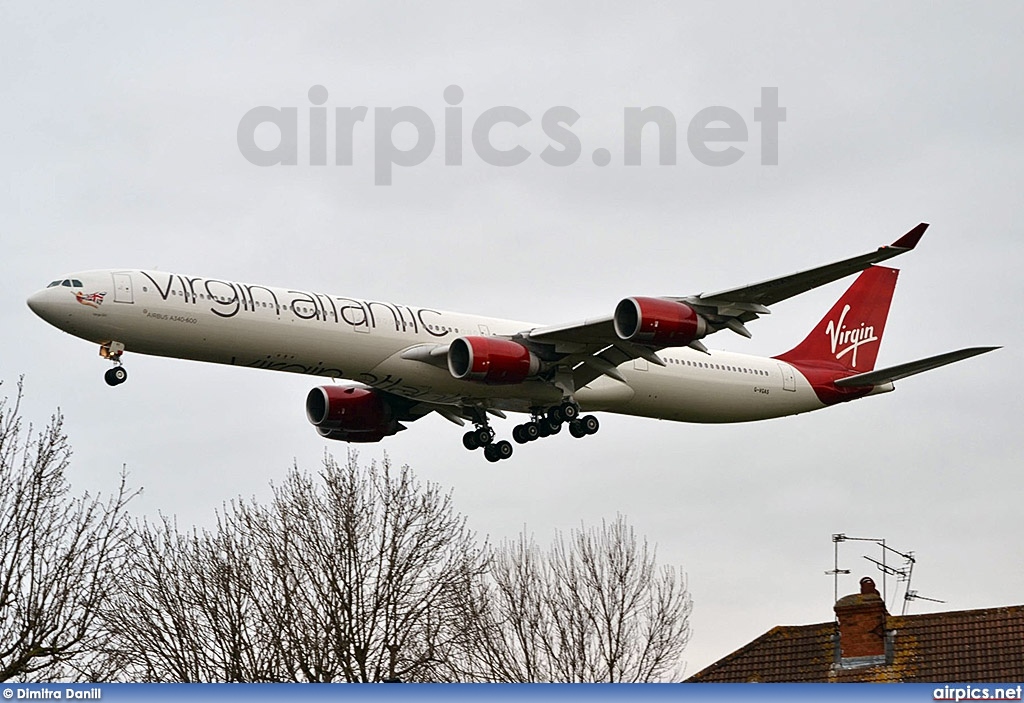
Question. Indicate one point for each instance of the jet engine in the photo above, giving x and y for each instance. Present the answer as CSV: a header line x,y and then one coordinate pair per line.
x,y
491,360
351,414
658,322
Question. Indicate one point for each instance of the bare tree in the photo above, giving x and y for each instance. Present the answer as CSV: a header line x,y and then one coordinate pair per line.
x,y
353,575
59,555
368,567
594,608
363,573
190,608
360,573
365,562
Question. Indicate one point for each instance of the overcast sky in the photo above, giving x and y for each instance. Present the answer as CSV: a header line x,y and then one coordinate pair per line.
x,y
120,150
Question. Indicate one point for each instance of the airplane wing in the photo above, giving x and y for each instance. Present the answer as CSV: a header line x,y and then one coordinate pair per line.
x,y
408,410
594,349
778,289
895,373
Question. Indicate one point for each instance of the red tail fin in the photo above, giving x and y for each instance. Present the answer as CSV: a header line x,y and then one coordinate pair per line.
x,y
848,337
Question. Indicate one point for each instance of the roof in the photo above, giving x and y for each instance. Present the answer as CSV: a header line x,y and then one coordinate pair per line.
x,y
964,645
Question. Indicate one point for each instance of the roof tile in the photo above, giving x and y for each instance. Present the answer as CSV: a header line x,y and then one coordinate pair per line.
x,y
965,646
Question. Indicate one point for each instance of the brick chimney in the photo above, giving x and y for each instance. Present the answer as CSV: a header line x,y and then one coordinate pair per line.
x,y
862,624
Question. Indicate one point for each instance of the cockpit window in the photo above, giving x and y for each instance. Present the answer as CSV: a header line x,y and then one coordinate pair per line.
x,y
55,283
76,283
66,282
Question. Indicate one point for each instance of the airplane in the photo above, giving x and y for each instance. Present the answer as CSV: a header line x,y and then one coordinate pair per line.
x,y
646,358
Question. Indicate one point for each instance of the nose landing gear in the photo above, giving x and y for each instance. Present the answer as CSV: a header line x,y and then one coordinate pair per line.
x,y
117,375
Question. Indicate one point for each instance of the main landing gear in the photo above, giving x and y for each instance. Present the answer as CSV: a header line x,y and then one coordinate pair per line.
x,y
587,424
544,424
483,436
549,423
117,375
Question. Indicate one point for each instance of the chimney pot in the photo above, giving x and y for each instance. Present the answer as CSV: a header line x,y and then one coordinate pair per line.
x,y
867,585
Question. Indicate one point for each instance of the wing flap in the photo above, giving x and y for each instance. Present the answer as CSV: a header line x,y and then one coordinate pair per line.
x,y
599,330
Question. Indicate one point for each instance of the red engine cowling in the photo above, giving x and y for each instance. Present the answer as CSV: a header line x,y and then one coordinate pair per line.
x,y
345,436
491,360
658,321
351,413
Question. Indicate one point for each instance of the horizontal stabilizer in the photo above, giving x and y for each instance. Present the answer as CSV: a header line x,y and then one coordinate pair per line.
x,y
895,373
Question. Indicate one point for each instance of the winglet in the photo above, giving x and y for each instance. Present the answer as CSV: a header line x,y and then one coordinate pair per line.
x,y
911,238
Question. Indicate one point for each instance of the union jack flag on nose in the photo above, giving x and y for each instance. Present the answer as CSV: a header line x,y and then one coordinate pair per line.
x,y
93,300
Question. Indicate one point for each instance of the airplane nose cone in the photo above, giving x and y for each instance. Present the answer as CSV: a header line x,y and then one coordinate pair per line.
x,y
42,304
55,306
35,303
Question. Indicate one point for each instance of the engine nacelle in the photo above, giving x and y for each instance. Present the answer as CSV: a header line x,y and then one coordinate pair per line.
x,y
658,321
346,436
351,413
491,360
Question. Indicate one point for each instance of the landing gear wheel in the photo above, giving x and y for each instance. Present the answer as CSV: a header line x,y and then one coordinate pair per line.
x,y
589,424
491,452
555,415
484,435
543,428
116,376
469,440
576,429
503,449
553,426
524,433
569,411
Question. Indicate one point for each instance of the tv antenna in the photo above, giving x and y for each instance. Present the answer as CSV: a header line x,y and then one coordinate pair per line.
x,y
903,570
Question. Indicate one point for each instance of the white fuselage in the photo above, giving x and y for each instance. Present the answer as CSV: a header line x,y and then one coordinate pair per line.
x,y
334,336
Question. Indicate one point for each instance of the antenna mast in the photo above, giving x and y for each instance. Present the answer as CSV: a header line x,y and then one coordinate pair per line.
x,y
902,573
